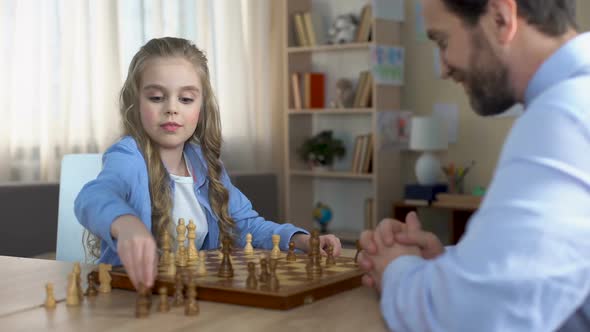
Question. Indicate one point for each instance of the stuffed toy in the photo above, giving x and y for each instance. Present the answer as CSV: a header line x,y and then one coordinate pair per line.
x,y
343,29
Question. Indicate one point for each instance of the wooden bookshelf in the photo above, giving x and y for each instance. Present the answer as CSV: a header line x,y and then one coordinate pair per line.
x,y
328,48
346,192
325,111
333,174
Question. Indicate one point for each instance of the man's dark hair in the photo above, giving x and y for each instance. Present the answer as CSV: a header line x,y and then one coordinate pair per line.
x,y
551,17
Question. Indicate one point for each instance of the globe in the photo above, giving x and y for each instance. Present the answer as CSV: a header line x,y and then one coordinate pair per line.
x,y
322,214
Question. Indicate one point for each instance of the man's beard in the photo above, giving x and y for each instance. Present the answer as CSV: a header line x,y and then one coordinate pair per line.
x,y
488,86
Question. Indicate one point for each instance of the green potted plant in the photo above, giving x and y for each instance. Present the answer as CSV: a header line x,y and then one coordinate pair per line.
x,y
320,150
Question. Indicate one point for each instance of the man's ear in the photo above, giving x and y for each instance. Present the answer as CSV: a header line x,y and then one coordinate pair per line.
x,y
503,16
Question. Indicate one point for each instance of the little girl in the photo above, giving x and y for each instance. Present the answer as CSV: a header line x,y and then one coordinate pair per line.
x,y
167,167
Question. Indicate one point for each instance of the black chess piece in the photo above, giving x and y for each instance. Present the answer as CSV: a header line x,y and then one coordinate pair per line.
x,y
225,268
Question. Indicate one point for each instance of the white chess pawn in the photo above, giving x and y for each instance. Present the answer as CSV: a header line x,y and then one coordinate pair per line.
x,y
192,252
275,252
72,298
50,299
248,249
202,269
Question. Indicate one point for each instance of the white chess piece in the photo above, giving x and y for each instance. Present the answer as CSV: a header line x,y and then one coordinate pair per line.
x,y
275,252
248,249
193,253
202,269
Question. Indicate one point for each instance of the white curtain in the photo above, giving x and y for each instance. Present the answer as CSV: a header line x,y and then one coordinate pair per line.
x,y
59,84
64,62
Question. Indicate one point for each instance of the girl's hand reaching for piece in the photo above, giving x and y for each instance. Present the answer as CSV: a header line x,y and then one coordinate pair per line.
x,y
137,249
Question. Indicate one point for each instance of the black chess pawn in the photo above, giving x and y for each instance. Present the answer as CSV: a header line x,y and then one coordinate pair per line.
x,y
274,280
291,257
264,275
251,281
91,290
225,268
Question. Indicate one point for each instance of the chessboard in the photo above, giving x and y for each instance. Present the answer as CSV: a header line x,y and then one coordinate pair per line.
x,y
297,287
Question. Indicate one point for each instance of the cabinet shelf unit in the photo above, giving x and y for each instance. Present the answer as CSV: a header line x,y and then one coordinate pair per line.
x,y
347,193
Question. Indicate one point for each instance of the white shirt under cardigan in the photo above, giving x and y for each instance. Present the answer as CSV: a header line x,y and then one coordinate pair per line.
x,y
524,261
186,206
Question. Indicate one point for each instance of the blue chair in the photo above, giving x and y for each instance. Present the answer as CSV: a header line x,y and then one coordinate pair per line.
x,y
76,171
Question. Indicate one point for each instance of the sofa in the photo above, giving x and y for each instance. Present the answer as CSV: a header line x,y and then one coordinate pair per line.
x,y
30,210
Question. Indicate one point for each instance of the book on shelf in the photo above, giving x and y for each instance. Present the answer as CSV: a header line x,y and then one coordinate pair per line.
x,y
363,33
366,167
359,85
367,91
305,32
362,154
296,90
314,90
369,215
309,29
364,90
355,153
300,31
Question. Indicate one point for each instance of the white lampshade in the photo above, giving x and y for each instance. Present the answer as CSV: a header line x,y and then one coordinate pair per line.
x,y
428,133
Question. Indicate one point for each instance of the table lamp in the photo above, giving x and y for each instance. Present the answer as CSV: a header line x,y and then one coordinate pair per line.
x,y
428,134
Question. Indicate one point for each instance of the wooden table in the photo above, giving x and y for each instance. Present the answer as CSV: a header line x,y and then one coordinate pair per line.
x,y
22,292
460,214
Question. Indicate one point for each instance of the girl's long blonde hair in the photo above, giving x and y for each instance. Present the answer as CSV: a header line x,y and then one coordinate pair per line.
x,y
207,135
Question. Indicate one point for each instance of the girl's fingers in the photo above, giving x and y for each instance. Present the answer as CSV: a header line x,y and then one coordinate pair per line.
x,y
368,281
149,254
126,258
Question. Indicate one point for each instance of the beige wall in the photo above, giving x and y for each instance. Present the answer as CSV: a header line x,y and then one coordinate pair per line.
x,y
420,93
478,139
584,14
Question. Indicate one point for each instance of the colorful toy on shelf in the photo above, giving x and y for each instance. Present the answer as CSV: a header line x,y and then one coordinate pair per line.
x,y
343,29
322,214
456,177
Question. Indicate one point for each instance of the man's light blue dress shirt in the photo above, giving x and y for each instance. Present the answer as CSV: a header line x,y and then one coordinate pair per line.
x,y
524,261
